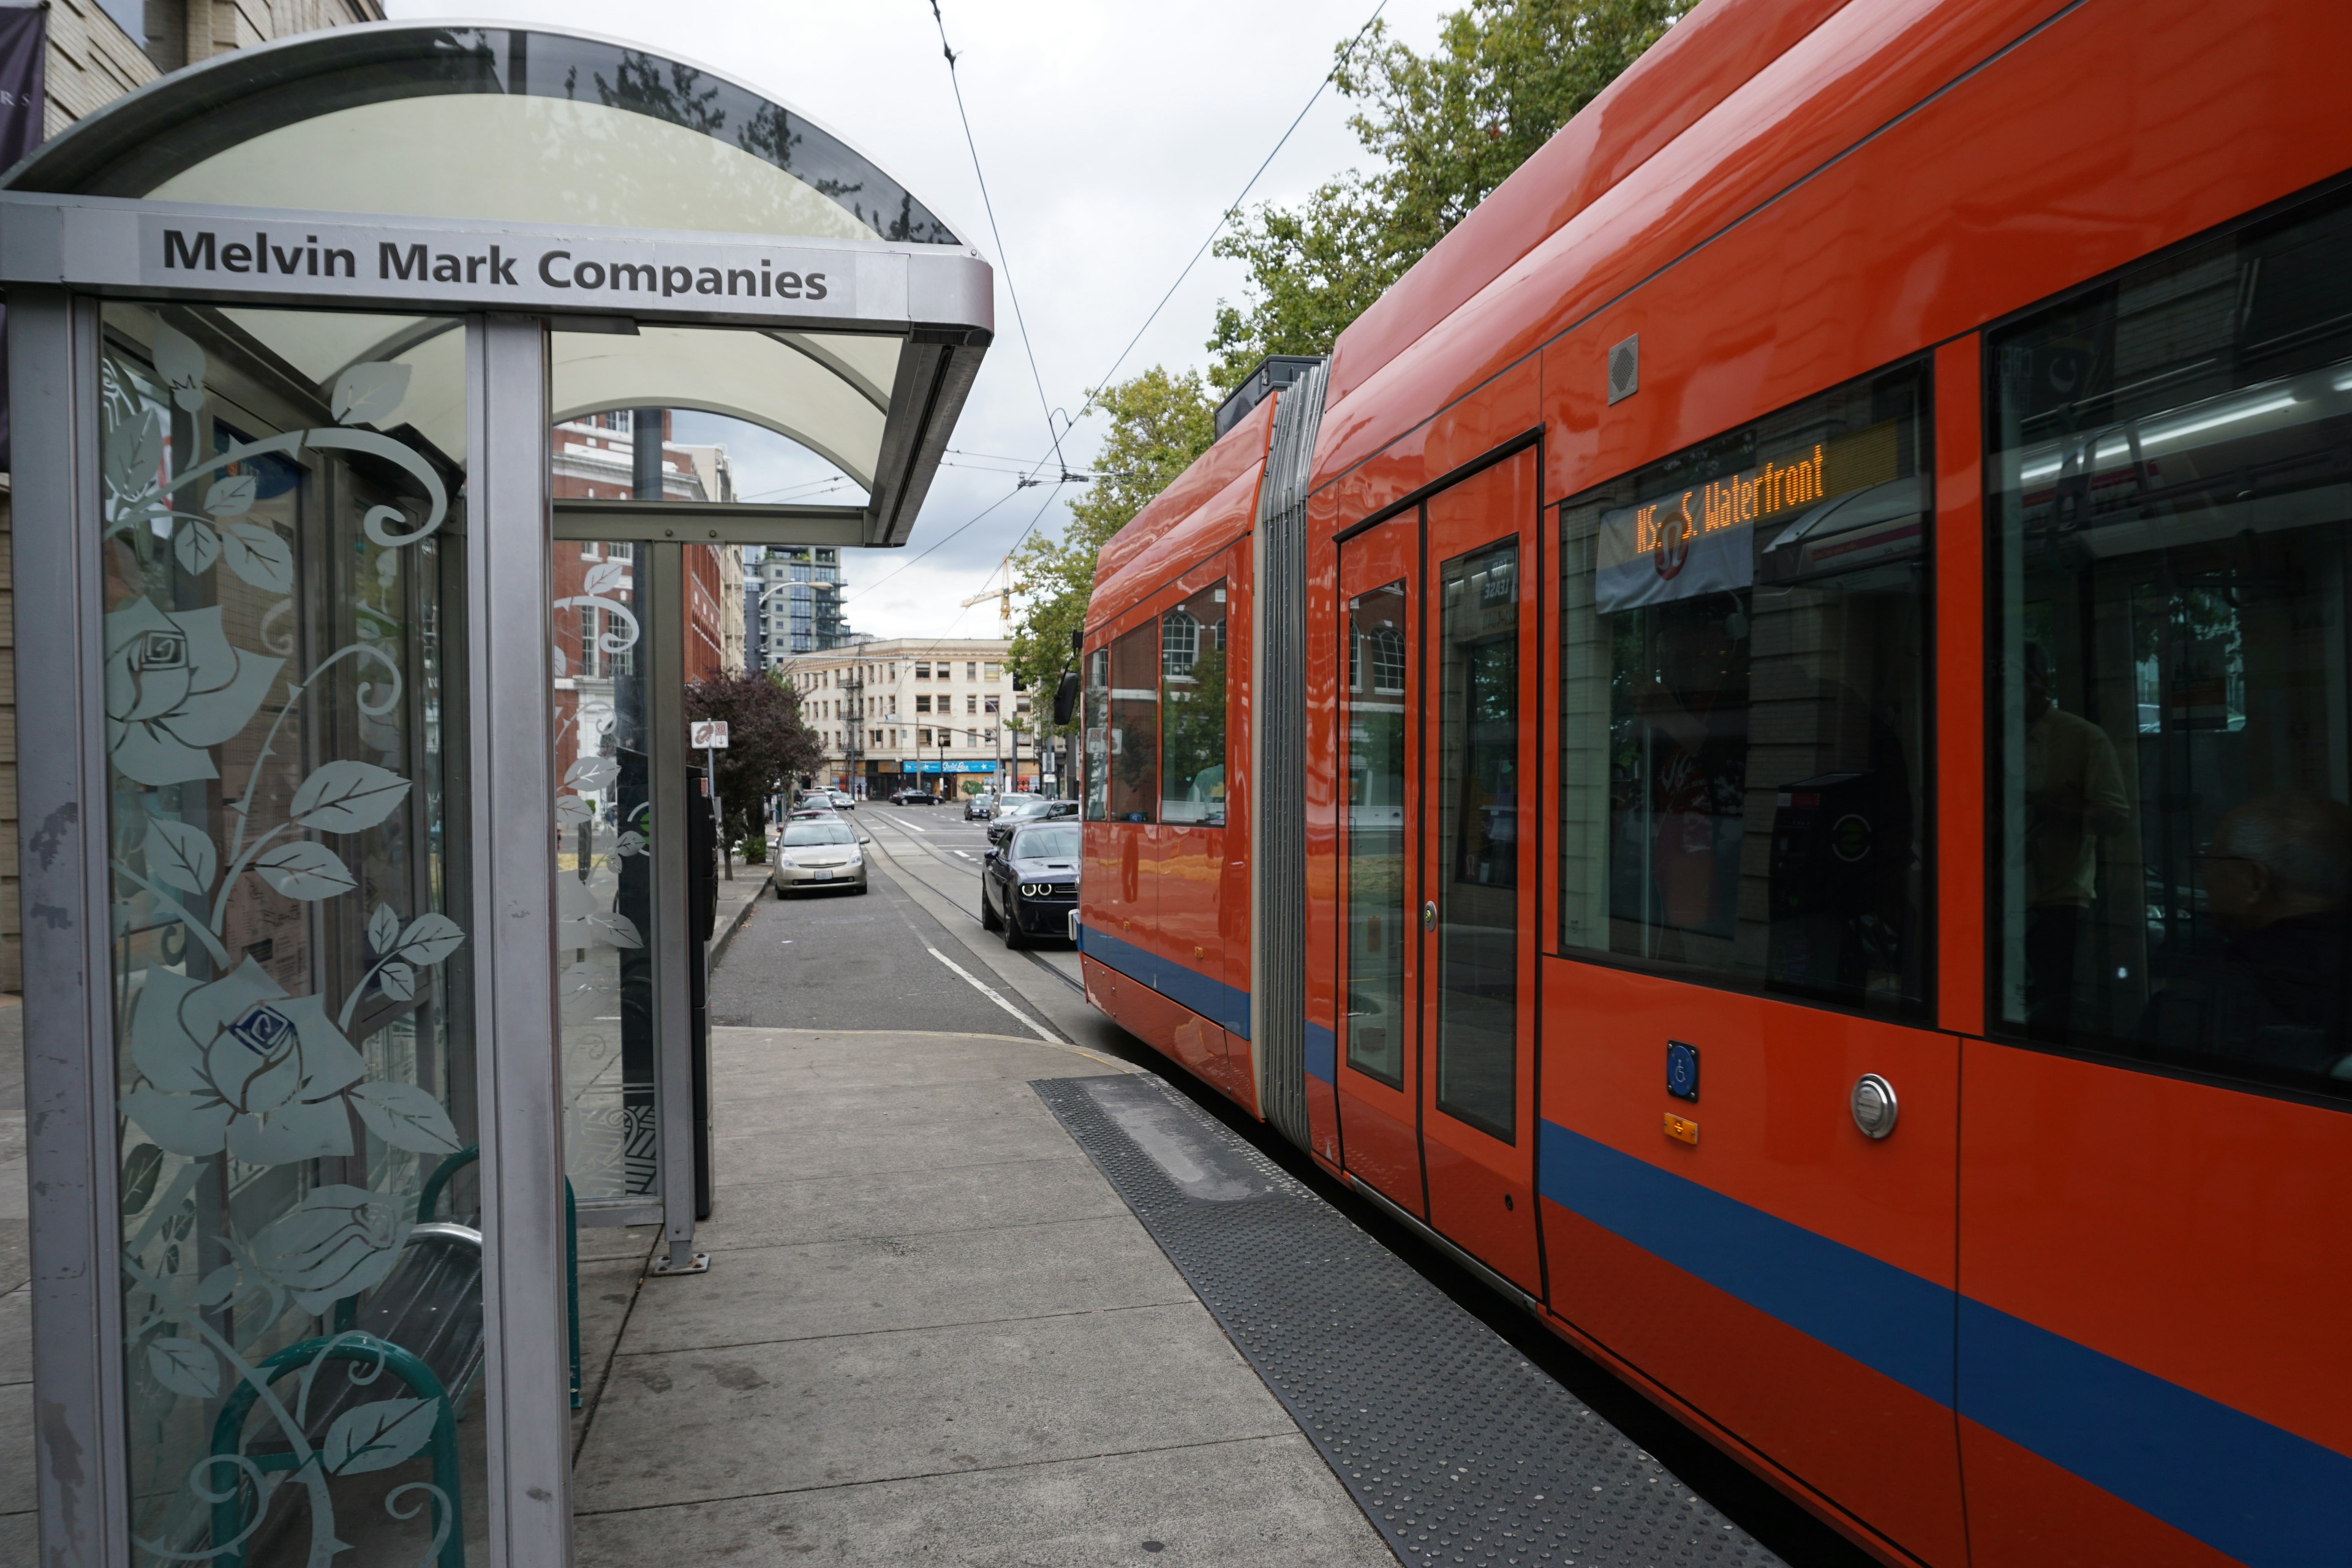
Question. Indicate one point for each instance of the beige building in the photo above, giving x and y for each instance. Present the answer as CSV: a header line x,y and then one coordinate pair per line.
x,y
928,711
94,60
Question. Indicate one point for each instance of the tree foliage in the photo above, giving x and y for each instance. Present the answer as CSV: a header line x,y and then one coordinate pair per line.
x,y
1159,424
768,746
1447,128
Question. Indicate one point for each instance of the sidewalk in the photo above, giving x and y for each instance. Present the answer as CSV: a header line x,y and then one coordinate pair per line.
x,y
930,1332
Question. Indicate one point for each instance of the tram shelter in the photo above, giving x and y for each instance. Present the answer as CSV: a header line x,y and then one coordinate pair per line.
x,y
358,950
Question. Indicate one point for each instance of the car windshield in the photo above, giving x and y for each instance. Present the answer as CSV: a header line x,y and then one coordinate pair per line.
x,y
1047,844
801,833
1028,807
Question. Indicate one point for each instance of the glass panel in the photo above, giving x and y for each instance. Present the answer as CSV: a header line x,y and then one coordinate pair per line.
x,y
605,971
2172,511
1379,919
1097,786
1744,683
1135,725
1478,839
1193,688
285,733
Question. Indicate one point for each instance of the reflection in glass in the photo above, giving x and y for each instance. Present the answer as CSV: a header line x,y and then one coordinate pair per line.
x,y
603,863
1134,748
2172,717
1743,694
1379,919
1478,839
1193,699
284,592
1097,725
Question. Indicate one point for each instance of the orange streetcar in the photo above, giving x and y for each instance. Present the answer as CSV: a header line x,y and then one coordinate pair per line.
x,y
1767,753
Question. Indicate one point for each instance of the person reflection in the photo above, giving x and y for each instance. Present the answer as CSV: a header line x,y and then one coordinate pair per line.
x,y
2273,986
1695,710
2074,795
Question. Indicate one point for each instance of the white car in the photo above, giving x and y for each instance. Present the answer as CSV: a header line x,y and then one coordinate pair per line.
x,y
815,853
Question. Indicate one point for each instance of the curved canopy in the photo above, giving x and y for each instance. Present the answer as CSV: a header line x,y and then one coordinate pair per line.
x,y
485,123
799,286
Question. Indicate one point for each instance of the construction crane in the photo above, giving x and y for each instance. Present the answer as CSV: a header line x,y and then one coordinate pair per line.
x,y
1003,596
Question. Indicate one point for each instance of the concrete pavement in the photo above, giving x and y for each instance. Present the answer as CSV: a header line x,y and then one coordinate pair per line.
x,y
931,1331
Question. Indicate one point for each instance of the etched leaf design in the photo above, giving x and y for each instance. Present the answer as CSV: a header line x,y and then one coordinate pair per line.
x,y
592,772
197,546
383,929
630,843
603,577
140,1169
180,856
134,451
616,929
347,797
367,394
376,1436
233,496
304,870
562,663
181,364
339,1241
430,938
219,1286
571,810
406,1117
399,981
259,555
184,1366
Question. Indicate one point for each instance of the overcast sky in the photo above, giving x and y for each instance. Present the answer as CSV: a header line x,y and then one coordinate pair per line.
x,y
1112,133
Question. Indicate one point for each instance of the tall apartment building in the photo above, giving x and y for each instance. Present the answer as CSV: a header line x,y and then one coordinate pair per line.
x,y
797,607
935,713
97,50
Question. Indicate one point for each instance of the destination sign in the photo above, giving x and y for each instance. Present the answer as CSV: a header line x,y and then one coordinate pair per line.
x,y
1702,539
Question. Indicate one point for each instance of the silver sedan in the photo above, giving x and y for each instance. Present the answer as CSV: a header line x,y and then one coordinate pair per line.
x,y
819,852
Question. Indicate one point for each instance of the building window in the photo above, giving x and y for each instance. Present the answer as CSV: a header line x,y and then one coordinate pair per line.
x,y
922,737
922,672
971,704
923,703
989,704
968,672
994,671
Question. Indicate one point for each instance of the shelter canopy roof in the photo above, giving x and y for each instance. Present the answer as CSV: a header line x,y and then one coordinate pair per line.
x,y
544,135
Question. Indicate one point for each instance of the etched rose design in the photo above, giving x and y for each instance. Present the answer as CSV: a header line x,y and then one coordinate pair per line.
x,y
175,688
236,1064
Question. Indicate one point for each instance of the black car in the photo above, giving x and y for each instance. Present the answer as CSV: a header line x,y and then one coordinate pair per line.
x,y
915,797
1028,888
1035,809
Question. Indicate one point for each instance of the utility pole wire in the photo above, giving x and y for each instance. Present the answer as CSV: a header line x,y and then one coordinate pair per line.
x,y
1004,258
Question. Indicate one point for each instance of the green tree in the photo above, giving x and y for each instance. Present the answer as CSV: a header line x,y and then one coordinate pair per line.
x,y
1447,128
1158,423
768,748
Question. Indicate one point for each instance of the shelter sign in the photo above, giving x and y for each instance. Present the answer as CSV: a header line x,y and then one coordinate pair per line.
x,y
707,734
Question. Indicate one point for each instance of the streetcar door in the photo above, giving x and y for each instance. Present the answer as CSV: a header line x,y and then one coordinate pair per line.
x,y
1379,1066
1476,838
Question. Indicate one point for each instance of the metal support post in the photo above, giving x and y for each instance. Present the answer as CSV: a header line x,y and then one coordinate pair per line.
x,y
664,590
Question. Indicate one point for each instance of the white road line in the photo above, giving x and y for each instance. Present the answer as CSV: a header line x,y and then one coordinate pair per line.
x,y
910,827
1034,1027
961,852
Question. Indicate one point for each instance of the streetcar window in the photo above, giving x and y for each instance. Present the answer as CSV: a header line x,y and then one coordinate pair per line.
x,y
1134,733
2170,715
1193,710
1743,685
1098,729
1373,722
1478,838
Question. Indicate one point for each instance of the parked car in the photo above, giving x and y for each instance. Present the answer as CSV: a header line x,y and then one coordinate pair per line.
x,y
818,850
979,807
1011,798
915,797
843,800
822,797
1028,888
1029,808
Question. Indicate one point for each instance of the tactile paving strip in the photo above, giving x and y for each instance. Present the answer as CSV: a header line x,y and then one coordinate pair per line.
x,y
1456,1448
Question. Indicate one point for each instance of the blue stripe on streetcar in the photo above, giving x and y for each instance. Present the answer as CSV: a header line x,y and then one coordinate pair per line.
x,y
1322,1053
1226,1006
2257,1493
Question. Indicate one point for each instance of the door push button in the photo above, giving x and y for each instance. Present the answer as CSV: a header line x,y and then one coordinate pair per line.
x,y
1872,1104
1682,1070
1429,915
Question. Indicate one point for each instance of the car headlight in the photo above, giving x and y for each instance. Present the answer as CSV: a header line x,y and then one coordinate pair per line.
x,y
1040,889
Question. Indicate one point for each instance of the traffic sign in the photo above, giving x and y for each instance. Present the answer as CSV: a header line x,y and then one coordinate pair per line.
x,y
707,734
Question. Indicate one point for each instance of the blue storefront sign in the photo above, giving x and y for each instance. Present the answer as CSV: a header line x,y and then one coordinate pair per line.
x,y
953,765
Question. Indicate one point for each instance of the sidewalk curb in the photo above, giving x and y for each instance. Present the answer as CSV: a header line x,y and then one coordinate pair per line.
x,y
717,947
